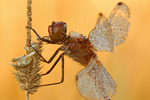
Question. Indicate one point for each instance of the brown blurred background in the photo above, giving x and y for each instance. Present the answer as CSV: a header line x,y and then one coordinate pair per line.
x,y
129,64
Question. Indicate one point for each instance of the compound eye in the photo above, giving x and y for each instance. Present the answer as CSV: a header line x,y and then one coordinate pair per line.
x,y
50,30
57,31
57,27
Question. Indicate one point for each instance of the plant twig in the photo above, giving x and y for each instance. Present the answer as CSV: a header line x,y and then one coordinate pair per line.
x,y
29,24
27,95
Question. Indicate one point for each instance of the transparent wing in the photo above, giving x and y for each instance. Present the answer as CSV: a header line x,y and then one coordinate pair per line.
x,y
112,31
101,36
119,22
94,82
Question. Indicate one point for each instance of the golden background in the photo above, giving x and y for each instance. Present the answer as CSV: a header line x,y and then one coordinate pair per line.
x,y
129,64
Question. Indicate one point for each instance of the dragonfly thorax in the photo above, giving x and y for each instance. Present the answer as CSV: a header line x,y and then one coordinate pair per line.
x,y
79,48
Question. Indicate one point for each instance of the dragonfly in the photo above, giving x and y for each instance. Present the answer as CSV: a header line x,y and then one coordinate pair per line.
x,y
93,82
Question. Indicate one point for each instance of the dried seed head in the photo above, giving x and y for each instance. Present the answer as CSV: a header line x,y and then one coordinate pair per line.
x,y
27,68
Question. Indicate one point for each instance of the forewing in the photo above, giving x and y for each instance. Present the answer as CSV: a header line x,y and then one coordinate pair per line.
x,y
119,22
101,36
94,82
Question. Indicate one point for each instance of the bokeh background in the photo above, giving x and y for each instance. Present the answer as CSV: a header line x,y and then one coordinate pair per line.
x,y
129,64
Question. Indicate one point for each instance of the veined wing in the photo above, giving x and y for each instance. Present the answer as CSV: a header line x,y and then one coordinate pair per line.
x,y
119,22
94,82
101,36
112,31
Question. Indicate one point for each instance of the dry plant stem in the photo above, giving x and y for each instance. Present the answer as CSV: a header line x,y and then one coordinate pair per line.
x,y
29,19
27,95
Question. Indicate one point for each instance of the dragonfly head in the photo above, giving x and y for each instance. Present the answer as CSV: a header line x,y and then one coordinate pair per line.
x,y
57,31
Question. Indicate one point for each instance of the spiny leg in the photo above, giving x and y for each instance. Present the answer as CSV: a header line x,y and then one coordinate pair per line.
x,y
53,56
62,78
61,56
45,40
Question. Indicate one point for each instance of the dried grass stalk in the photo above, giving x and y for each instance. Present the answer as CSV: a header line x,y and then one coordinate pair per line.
x,y
28,66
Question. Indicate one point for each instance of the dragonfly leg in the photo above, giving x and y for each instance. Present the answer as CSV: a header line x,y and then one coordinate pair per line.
x,y
62,78
43,39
